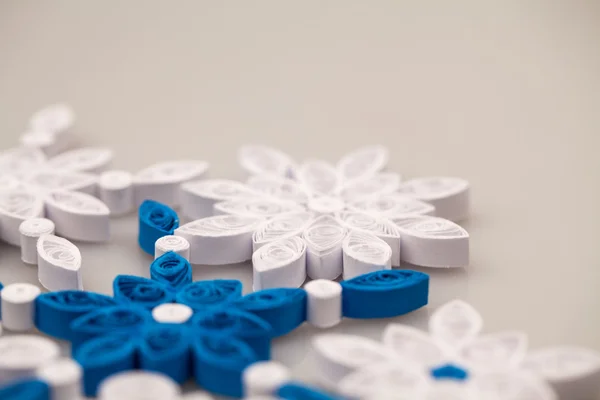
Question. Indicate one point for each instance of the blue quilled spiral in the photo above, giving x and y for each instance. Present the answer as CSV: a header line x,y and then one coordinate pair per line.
x,y
205,295
109,320
385,293
171,269
219,362
104,356
293,391
141,291
28,389
55,311
233,322
155,221
284,308
165,348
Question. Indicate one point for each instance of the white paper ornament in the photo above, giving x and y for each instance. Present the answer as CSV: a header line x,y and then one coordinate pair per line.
x,y
18,306
31,230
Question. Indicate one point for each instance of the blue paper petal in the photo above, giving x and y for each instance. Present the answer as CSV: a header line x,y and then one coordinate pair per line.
x,y
204,295
385,293
165,348
219,362
293,391
30,389
55,311
141,291
171,269
236,323
105,356
284,309
155,221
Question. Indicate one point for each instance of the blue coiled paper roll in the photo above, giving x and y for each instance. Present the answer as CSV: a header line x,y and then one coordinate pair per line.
x,y
141,291
155,221
165,348
284,308
30,389
205,295
384,294
293,391
233,322
219,362
109,320
55,311
171,269
104,356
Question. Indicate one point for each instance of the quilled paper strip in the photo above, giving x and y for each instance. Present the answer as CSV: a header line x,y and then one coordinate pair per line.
x,y
172,243
155,221
171,269
256,207
22,355
281,263
143,292
172,313
449,196
59,263
138,385
264,378
373,186
165,348
199,197
318,177
31,230
279,227
47,180
363,162
56,118
18,306
8,182
51,144
20,161
265,161
392,205
205,295
116,191
326,205
324,303
324,256
218,240
279,188
30,389
364,253
295,391
16,206
85,159
384,294
64,376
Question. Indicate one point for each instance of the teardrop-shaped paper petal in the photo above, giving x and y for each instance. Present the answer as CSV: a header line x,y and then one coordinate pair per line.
x,y
283,308
509,385
495,350
21,355
85,159
392,205
222,239
364,253
144,292
171,269
55,311
21,160
413,345
455,324
78,216
48,180
281,263
324,257
155,221
264,160
318,177
279,227
449,196
256,207
376,185
326,205
204,295
30,389
363,162
337,355
17,205
165,348
55,118
199,197
49,143
279,188
59,263
295,391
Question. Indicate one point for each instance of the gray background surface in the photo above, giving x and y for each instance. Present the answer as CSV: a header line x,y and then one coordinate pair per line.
x,y
505,94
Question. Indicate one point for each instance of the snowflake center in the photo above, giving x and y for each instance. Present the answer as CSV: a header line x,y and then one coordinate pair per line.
x,y
449,372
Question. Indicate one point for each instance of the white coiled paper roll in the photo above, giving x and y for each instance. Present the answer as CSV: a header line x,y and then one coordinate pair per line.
x,y
279,227
59,264
31,229
281,263
16,206
264,378
176,244
18,306
22,355
172,313
364,253
199,197
324,303
449,196
139,385
116,191
64,378
324,256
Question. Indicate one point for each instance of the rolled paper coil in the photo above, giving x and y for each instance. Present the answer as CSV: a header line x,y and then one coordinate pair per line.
x,y
18,306
281,263
284,309
263,378
219,362
64,377
155,221
59,264
16,206
233,322
324,303
362,162
171,269
22,355
172,313
165,348
139,385
384,294
104,356
55,311
294,391
116,191
171,243
140,291
29,389
364,253
279,227
31,230
206,295
324,256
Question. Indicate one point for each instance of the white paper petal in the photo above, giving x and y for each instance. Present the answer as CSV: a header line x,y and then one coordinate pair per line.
x,y
21,160
363,162
85,159
496,350
324,255
364,253
337,355
376,185
281,263
78,216
318,177
413,345
199,197
49,180
433,242
17,205
326,205
55,118
449,196
22,355
219,240
59,263
256,207
8,182
392,205
280,188
49,143
264,160
383,228
279,227
455,324
509,385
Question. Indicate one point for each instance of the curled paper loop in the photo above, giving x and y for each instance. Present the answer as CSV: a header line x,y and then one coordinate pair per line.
x,y
279,227
55,311
31,230
324,238
172,313
22,355
455,324
47,180
324,303
49,143
171,269
384,294
199,197
205,295
326,205
30,389
433,242
85,159
165,348
449,196
218,240
18,306
364,253
155,221
295,391
139,385
64,377
115,188
232,322
279,188
495,350
265,161
16,206
172,243
263,378
392,205
219,362
414,346
281,263
283,309
78,216
318,177
510,384
59,263
55,118
256,207
373,186
141,291
104,356
363,162
20,161
383,228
